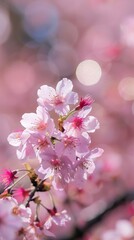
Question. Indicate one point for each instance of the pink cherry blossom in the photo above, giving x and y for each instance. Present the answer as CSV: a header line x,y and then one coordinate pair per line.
x,y
80,122
41,230
58,99
30,233
20,194
59,218
29,144
86,166
72,147
7,177
21,141
40,142
17,138
86,101
25,151
38,122
62,149
25,213
10,223
56,165
34,146
37,231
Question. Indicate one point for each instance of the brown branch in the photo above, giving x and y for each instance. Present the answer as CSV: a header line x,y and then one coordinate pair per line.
x,y
78,232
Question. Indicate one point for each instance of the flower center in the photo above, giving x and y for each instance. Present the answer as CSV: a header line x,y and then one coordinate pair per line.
x,y
58,100
70,141
42,143
85,165
41,126
77,122
86,101
55,162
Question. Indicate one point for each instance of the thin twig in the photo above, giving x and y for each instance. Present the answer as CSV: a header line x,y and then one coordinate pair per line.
x,y
78,232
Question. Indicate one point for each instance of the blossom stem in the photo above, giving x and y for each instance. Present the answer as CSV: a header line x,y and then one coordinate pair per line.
x,y
70,113
36,213
52,200
16,182
22,170
43,206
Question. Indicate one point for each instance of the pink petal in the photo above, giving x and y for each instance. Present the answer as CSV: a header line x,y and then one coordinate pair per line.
x,y
29,120
14,139
91,124
64,87
96,152
72,98
46,95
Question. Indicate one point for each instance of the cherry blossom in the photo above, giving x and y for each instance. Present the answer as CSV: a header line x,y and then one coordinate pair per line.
x,y
57,165
86,101
10,223
20,194
58,99
72,147
18,138
80,122
7,177
59,218
25,214
39,121
37,231
86,166
30,144
21,141
62,149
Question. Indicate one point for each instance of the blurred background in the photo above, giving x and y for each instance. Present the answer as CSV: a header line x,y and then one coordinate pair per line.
x,y
90,42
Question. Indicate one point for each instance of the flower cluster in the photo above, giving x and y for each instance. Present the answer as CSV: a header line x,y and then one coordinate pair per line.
x,y
61,146
63,152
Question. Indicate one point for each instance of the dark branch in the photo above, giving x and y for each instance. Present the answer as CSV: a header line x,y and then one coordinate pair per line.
x,y
119,201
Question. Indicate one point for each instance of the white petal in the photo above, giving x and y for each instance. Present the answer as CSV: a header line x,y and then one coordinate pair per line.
x,y
46,95
96,152
72,98
91,124
84,112
64,87
41,113
29,120
48,223
14,139
62,110
47,172
46,92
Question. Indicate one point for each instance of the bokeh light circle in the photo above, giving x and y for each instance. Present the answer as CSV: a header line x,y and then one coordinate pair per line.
x,y
88,72
126,88
127,31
